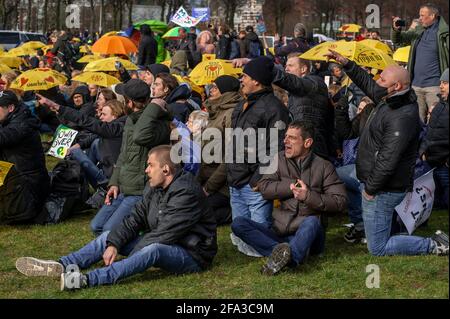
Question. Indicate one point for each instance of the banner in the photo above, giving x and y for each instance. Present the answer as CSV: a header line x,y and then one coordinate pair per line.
x,y
4,169
184,20
62,141
260,25
417,205
203,13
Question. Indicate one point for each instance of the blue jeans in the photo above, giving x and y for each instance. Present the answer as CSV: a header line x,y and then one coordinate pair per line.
x,y
440,175
309,238
110,216
347,174
247,203
377,215
88,163
172,258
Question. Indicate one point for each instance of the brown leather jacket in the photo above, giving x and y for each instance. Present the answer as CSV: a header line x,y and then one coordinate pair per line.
x,y
326,191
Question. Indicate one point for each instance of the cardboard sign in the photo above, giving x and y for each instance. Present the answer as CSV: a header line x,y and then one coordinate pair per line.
x,y
203,13
417,205
62,141
4,169
183,19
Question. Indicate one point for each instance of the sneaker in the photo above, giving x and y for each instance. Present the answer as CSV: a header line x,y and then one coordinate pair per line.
x,y
440,240
73,280
97,199
280,257
355,236
30,266
243,247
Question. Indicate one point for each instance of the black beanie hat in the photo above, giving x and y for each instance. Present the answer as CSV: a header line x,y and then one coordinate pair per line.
x,y
157,68
261,70
227,83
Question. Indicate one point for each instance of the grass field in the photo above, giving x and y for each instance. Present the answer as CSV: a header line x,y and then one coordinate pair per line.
x,y
339,273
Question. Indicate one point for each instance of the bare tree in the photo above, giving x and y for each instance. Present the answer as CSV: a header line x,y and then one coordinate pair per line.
x,y
30,4
8,13
129,4
230,10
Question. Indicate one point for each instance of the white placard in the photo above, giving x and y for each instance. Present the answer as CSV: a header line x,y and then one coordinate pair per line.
x,y
62,141
183,19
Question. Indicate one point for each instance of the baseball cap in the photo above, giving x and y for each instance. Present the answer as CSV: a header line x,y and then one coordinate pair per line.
x,y
7,98
135,90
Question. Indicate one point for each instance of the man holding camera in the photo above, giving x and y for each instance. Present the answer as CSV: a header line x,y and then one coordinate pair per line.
x,y
429,42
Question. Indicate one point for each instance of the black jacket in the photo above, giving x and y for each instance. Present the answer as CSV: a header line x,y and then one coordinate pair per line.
x,y
27,184
389,142
180,110
177,215
299,45
252,37
224,47
308,101
148,48
264,110
110,135
435,145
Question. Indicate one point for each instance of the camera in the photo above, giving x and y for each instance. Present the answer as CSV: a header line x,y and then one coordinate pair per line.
x,y
400,23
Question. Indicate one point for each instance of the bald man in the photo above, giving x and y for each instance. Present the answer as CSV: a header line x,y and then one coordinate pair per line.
x,y
387,152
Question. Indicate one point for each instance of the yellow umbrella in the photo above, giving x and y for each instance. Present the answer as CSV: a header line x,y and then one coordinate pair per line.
x,y
12,62
378,45
107,34
20,51
206,72
167,63
38,79
4,68
402,54
89,58
47,47
85,48
108,64
351,28
1,49
34,45
97,78
184,79
208,57
76,39
356,51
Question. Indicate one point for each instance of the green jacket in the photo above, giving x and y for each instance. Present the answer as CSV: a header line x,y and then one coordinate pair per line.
x,y
410,37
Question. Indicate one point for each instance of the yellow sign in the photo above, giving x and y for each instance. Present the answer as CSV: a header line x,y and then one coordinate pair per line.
x,y
4,169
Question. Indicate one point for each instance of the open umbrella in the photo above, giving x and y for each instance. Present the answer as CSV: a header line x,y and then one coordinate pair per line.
x,y
4,68
114,44
108,64
20,51
185,79
378,45
11,61
172,34
97,78
208,57
402,54
89,58
351,28
155,25
34,45
355,51
85,48
38,79
207,71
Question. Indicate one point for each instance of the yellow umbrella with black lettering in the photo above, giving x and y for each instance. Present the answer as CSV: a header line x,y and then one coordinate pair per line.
x,y
97,78
38,80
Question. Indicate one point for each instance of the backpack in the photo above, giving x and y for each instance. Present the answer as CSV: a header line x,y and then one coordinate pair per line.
x,y
254,50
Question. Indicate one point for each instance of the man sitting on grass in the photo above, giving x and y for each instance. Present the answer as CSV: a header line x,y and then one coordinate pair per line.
x,y
309,188
171,228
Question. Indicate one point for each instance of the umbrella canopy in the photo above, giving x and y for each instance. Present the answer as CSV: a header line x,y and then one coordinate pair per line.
x,y
172,34
12,62
185,79
20,51
86,48
155,25
1,49
38,79
114,44
89,58
108,64
352,28
167,63
207,71
208,57
378,45
402,54
355,51
97,78
4,68
34,45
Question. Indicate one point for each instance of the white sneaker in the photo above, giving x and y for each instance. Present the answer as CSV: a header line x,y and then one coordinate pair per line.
x,y
243,247
30,266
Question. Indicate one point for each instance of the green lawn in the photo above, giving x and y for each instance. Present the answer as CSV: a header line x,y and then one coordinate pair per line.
x,y
340,273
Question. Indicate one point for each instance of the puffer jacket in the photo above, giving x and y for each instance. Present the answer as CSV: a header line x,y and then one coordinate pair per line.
x,y
27,184
213,176
389,142
326,193
308,101
176,215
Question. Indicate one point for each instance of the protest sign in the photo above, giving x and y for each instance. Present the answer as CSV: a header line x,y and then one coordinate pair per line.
x,y
62,141
203,13
183,19
4,169
417,205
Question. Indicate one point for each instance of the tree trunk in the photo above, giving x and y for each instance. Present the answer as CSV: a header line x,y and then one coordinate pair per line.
x,y
28,27
58,15
120,15
93,18
230,21
130,12
45,23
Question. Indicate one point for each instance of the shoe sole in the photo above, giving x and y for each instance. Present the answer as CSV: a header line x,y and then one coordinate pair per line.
x,y
33,267
280,257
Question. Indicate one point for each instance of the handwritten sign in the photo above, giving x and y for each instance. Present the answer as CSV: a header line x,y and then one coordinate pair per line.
x,y
417,205
4,169
183,19
62,141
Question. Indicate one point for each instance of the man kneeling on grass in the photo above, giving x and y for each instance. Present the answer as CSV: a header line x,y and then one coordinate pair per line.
x,y
308,188
170,228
